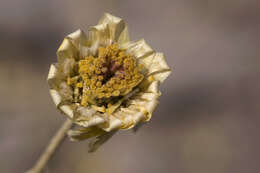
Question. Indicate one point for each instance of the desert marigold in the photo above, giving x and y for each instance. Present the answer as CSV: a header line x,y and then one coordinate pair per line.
x,y
104,82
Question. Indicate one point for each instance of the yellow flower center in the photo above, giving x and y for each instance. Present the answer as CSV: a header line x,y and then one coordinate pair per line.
x,y
103,79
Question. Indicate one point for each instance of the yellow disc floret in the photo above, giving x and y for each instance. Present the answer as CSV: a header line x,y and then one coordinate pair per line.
x,y
102,79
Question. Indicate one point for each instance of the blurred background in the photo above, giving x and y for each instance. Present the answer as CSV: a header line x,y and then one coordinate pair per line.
x,y
208,117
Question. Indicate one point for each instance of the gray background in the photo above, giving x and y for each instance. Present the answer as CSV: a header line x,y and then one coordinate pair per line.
x,y
208,116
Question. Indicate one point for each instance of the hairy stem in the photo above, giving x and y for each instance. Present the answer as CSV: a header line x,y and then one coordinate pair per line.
x,y
51,148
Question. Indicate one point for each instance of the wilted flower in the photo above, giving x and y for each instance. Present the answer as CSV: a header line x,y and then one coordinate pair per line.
x,y
104,82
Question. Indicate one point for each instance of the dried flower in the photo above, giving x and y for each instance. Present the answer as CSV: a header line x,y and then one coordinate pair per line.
x,y
104,82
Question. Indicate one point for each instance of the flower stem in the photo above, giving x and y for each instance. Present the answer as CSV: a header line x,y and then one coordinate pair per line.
x,y
51,148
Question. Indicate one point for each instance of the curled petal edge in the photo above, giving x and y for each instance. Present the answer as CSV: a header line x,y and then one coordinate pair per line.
x,y
117,28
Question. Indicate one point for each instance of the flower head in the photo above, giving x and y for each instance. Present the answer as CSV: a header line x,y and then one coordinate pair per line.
x,y
104,82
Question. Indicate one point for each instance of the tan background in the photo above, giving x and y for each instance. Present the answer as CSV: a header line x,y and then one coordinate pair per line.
x,y
208,117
